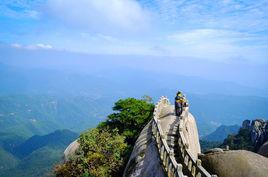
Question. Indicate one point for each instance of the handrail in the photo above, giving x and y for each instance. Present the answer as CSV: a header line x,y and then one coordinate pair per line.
x,y
169,162
172,167
194,166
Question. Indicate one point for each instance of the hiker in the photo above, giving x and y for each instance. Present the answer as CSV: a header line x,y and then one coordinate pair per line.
x,y
180,102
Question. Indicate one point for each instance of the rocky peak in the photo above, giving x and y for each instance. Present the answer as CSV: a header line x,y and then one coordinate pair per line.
x,y
246,124
258,131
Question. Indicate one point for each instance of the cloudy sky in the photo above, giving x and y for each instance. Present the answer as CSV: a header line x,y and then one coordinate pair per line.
x,y
219,30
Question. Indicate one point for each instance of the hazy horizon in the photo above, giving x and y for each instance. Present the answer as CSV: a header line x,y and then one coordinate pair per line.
x,y
215,40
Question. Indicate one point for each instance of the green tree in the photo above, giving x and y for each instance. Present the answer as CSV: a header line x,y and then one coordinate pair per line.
x,y
130,116
206,145
104,151
99,155
239,141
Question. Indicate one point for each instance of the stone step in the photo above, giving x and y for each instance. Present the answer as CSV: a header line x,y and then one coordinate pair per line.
x,y
172,141
174,135
171,144
171,137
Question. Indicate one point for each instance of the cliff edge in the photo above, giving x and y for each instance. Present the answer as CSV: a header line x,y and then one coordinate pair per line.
x,y
144,160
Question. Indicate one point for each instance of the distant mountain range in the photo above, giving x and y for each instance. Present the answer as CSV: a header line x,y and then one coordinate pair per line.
x,y
112,82
35,156
25,115
221,133
55,139
86,95
28,115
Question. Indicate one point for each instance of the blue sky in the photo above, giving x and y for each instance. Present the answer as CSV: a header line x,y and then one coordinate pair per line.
x,y
223,30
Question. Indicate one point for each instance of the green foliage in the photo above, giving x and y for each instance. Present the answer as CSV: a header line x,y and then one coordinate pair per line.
x,y
206,145
32,157
239,141
130,116
38,115
105,150
7,160
38,163
100,155
56,139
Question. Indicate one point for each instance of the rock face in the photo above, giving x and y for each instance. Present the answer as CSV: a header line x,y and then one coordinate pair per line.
x,y
264,149
235,163
70,150
144,160
259,131
191,135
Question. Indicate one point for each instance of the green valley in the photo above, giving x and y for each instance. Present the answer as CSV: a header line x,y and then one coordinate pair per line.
x,y
36,156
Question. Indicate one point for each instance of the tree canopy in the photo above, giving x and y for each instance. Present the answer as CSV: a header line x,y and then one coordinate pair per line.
x,y
105,150
130,116
100,154
239,141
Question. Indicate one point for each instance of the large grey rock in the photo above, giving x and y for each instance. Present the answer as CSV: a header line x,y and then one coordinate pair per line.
x,y
144,160
238,163
214,150
70,150
258,131
246,124
190,132
264,149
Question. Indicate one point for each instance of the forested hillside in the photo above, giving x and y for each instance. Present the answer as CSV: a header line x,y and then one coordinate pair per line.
x,y
104,151
35,156
26,116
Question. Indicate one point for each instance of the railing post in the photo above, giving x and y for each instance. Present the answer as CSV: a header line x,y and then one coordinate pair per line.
x,y
179,168
190,165
162,152
171,152
156,135
169,171
164,158
186,160
193,170
198,162
227,148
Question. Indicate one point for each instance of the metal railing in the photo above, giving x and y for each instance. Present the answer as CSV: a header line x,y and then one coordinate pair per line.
x,y
169,162
172,167
193,166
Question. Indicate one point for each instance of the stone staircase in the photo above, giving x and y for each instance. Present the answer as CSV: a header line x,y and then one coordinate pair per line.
x,y
169,133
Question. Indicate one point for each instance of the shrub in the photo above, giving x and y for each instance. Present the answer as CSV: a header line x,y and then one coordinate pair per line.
x,y
99,155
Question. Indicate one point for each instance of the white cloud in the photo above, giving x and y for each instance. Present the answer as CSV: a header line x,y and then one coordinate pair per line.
x,y
204,36
217,44
41,46
206,29
15,45
100,15
32,46
228,14
99,37
32,14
